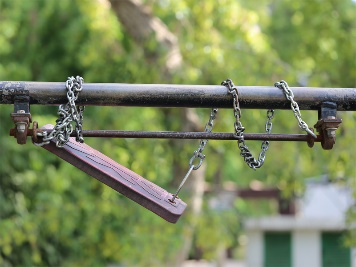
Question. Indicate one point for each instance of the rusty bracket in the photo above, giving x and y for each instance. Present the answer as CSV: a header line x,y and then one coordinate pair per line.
x,y
328,124
21,117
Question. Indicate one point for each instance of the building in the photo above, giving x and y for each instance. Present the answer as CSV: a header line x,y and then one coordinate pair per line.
x,y
312,237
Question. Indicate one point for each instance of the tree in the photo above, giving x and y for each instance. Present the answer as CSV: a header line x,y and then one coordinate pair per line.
x,y
51,214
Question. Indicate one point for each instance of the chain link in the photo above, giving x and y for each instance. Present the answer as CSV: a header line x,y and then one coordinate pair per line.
x,y
67,114
198,154
239,130
294,106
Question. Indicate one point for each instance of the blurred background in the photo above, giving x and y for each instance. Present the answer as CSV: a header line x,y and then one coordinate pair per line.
x,y
52,214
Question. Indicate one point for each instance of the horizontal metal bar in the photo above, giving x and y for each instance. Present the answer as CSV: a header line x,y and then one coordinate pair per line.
x,y
171,95
189,135
195,135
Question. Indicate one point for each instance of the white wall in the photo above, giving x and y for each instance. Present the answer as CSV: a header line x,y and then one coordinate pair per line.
x,y
254,250
306,248
353,257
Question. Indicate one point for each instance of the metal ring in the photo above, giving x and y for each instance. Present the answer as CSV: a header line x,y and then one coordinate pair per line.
x,y
195,156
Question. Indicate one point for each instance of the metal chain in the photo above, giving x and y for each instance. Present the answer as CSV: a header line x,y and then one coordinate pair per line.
x,y
294,106
67,114
198,154
239,130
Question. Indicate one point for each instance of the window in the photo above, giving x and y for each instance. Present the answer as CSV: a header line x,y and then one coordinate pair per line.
x,y
334,254
277,249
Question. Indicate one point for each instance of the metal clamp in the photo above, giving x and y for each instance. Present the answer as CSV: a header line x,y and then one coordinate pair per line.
x,y
328,124
21,117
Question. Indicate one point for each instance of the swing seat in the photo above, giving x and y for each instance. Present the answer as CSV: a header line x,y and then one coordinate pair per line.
x,y
118,177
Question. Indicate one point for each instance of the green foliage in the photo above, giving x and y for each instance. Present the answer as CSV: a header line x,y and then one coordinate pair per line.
x,y
53,215
327,40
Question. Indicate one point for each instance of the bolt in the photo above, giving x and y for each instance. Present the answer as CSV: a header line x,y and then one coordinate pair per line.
x,y
21,111
331,132
21,127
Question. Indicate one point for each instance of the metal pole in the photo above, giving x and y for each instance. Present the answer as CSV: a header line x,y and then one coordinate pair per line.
x,y
188,135
196,135
171,95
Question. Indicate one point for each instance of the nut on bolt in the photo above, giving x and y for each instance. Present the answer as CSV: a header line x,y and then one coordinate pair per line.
x,y
22,121
327,129
21,127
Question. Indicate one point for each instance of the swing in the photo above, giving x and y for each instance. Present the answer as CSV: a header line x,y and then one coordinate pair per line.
x,y
59,139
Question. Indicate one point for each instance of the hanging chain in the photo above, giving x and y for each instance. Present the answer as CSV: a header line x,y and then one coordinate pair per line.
x,y
294,106
67,114
239,130
198,154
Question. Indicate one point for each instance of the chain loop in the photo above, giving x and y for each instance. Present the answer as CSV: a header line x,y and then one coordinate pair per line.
x,y
294,106
198,154
239,130
67,113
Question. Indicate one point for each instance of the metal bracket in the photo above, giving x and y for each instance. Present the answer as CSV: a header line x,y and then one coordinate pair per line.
x,y
327,124
21,117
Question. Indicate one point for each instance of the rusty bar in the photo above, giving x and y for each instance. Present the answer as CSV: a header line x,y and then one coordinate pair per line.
x,y
172,95
195,135
189,135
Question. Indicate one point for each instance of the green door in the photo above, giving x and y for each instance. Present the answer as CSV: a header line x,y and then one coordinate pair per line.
x,y
277,249
334,254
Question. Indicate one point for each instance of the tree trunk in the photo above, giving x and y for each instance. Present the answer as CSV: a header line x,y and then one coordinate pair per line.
x,y
144,28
